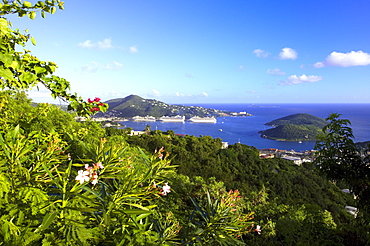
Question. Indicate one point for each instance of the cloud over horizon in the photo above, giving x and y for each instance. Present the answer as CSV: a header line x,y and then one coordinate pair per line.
x,y
288,53
294,79
350,59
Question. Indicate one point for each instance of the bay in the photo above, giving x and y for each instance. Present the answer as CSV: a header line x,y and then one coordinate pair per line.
x,y
245,129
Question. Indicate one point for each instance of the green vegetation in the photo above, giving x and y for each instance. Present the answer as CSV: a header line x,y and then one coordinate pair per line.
x,y
296,127
342,161
134,105
64,182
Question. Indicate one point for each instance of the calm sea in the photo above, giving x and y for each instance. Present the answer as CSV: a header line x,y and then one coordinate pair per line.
x,y
245,129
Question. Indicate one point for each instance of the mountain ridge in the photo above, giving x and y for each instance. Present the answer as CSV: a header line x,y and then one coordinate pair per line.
x,y
134,105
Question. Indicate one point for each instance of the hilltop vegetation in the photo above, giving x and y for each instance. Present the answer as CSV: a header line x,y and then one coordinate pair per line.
x,y
134,105
296,127
64,182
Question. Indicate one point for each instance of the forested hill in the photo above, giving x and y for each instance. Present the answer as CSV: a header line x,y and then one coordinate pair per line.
x,y
296,127
134,105
298,119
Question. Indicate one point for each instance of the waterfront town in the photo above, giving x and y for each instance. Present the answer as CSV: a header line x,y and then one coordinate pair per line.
x,y
297,157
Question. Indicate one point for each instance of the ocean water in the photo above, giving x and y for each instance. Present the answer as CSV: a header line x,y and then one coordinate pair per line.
x,y
245,129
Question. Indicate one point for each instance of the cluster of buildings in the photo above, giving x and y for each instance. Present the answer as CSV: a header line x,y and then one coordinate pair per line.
x,y
297,157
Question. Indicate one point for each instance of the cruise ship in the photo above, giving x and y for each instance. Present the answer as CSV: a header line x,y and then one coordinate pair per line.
x,y
197,119
141,118
176,118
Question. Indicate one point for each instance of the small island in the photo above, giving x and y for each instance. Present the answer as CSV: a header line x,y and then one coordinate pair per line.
x,y
296,127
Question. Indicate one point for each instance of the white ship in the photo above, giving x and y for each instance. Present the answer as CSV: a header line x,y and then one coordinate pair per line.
x,y
176,118
141,118
197,119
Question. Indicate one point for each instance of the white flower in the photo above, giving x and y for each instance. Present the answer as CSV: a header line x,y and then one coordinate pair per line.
x,y
258,229
87,167
83,176
98,165
166,189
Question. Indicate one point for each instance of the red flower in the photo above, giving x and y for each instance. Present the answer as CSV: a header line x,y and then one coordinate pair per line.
x,y
94,109
97,99
89,100
101,104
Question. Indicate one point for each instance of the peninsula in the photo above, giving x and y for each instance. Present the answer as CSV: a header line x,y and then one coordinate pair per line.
x,y
133,105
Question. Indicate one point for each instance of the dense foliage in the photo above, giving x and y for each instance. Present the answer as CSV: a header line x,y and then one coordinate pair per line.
x,y
341,160
295,204
69,183
291,133
64,182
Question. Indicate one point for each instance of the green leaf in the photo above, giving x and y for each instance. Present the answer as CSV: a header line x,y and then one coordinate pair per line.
x,y
27,4
53,9
135,211
32,15
3,24
39,70
33,40
28,77
6,74
48,219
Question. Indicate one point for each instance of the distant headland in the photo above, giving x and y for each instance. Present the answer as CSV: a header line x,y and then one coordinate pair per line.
x,y
134,105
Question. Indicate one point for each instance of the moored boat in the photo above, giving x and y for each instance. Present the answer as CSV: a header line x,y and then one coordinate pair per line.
x,y
197,119
176,118
145,118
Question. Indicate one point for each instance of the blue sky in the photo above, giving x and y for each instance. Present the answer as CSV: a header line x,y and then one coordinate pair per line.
x,y
257,51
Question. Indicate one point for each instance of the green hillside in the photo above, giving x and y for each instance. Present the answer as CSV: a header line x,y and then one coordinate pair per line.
x,y
298,119
134,105
296,127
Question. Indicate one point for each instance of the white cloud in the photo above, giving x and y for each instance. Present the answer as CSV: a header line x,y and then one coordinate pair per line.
x,y
93,67
102,45
288,53
294,79
113,66
155,92
114,94
251,91
337,59
203,94
133,49
275,72
261,53
241,67
90,68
